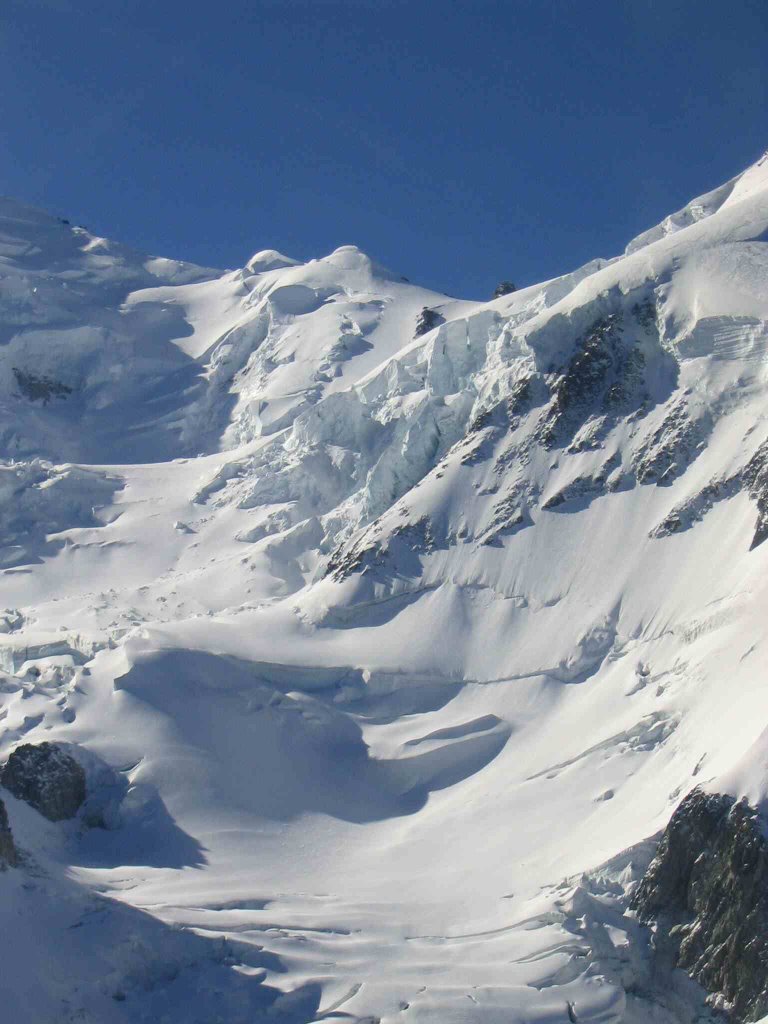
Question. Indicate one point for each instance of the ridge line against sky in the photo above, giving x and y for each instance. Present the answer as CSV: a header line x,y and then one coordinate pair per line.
x,y
459,145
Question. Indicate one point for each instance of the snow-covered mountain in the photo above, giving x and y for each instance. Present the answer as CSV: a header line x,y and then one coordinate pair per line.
x,y
386,640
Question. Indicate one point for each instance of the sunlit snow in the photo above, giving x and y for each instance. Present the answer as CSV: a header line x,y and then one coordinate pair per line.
x,y
401,647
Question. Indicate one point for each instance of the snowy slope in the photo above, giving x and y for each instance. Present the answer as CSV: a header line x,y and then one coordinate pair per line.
x,y
403,645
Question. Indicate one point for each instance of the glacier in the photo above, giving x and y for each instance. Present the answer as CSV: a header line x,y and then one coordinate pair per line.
x,y
391,653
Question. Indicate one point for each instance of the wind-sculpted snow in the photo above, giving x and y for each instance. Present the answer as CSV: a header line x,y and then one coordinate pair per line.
x,y
39,502
385,641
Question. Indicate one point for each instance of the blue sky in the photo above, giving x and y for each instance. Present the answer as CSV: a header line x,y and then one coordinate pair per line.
x,y
458,142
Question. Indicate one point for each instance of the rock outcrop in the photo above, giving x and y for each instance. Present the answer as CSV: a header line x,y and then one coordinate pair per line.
x,y
47,778
8,855
605,377
427,320
706,892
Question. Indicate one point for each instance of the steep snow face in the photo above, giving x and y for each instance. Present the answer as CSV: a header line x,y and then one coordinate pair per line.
x,y
86,347
401,643
112,356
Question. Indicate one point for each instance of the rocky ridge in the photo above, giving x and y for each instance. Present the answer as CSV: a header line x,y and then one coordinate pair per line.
x,y
706,895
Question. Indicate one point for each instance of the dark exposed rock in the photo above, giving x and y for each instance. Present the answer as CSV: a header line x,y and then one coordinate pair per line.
x,y
489,427
508,516
526,394
398,552
645,314
583,489
668,452
362,553
495,416
628,380
504,288
707,893
507,519
427,320
40,388
478,445
603,374
47,778
587,373
8,855
483,434
755,478
693,509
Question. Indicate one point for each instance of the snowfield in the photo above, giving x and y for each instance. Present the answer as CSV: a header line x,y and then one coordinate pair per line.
x,y
386,653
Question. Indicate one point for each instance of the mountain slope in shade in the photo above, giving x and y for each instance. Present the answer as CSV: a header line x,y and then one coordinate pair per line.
x,y
394,648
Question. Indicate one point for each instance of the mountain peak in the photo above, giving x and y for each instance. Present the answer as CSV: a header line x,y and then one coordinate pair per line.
x,y
269,259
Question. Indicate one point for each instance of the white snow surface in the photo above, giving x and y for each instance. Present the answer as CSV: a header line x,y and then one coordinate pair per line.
x,y
388,652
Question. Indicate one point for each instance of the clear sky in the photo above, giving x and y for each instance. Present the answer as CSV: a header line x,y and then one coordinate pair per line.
x,y
458,141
